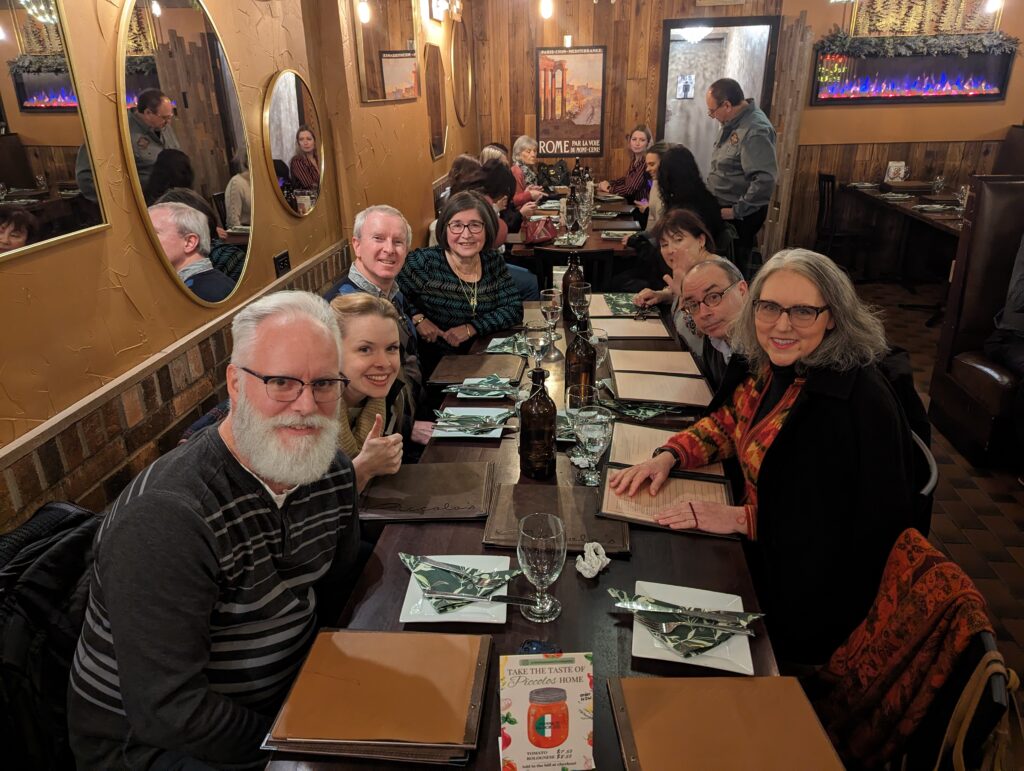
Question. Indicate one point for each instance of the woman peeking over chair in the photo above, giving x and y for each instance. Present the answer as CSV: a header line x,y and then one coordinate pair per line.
x,y
824,447
460,288
374,397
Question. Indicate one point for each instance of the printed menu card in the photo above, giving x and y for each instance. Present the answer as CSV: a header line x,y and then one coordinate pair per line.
x,y
547,711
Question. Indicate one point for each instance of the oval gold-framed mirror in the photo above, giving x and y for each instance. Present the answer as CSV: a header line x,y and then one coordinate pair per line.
x,y
385,33
293,142
47,190
433,76
185,144
462,71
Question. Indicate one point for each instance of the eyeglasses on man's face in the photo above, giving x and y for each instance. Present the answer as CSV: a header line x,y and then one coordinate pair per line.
x,y
475,227
282,388
799,315
712,112
711,299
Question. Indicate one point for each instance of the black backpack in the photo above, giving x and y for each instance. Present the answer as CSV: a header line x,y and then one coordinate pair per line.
x,y
44,587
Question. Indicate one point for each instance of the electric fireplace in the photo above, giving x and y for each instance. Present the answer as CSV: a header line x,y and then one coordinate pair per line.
x,y
840,79
44,92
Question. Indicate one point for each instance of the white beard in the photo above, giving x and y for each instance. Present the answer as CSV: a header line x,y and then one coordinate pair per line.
x,y
302,460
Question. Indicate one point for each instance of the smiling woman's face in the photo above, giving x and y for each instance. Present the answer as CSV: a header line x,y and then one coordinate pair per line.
x,y
371,357
784,343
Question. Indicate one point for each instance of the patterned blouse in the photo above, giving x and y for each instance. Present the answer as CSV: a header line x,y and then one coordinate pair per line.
x,y
305,173
431,287
728,432
635,181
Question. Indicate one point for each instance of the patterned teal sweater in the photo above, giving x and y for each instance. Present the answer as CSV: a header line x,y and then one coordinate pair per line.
x,y
432,288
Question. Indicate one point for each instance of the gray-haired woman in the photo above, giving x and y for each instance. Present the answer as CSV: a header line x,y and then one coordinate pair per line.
x,y
824,447
524,160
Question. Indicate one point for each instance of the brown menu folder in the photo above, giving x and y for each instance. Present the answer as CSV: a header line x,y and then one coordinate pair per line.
x,y
624,327
575,506
642,507
632,444
430,491
401,695
661,362
668,389
725,723
454,368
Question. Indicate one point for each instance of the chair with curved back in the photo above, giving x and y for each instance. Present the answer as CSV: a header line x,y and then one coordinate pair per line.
x,y
832,240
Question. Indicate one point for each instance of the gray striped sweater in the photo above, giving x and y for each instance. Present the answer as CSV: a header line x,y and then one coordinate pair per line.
x,y
202,607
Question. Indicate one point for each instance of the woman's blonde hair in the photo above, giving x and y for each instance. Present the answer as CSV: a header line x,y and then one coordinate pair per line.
x,y
359,304
858,336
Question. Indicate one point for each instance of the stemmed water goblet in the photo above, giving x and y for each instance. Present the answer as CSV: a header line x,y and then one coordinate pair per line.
x,y
551,308
579,300
593,428
541,553
599,339
576,398
538,339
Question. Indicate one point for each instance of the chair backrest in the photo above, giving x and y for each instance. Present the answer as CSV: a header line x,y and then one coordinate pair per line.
x,y
826,201
44,587
597,265
222,209
1010,159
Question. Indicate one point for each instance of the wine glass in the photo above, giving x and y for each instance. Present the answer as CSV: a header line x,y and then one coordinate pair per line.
x,y
538,338
3,191
961,197
579,299
593,429
938,183
40,181
541,552
551,307
599,339
576,398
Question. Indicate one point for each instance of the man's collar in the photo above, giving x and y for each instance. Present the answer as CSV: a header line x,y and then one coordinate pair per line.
x,y
748,106
366,285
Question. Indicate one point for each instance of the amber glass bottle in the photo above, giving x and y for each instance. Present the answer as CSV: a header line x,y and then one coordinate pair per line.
x,y
537,417
581,357
574,272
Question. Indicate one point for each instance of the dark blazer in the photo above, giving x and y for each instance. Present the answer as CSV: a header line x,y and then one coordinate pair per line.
x,y
835,489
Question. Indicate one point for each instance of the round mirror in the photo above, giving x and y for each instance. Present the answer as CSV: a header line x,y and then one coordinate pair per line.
x,y
462,72
293,142
434,73
183,132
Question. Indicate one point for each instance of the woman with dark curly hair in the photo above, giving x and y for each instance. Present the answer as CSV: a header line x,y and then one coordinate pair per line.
x,y
682,187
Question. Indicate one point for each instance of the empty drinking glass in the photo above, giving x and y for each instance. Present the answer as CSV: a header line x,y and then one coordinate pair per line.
x,y
538,338
551,308
541,553
579,299
593,429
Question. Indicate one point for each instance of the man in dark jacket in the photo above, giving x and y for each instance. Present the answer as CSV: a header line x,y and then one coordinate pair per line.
x,y
713,293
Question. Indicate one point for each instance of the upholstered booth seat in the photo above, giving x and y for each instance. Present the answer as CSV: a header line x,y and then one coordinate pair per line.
x,y
992,385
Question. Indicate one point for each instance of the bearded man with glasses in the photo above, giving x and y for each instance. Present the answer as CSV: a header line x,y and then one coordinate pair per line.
x,y
213,565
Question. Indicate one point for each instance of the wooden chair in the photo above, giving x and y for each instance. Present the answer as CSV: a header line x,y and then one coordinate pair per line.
x,y
222,211
830,237
597,266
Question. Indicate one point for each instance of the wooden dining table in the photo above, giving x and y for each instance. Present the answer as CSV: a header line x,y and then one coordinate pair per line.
x,y
588,621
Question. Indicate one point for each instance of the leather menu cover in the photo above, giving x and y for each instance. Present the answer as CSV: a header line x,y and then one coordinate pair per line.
x,y
725,723
386,689
430,491
642,507
575,506
454,368
668,389
632,444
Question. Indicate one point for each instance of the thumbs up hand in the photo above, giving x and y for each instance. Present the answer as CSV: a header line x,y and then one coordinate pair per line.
x,y
381,455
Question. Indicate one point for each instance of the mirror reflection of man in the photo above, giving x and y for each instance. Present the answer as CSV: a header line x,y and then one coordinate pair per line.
x,y
185,237
150,127
713,294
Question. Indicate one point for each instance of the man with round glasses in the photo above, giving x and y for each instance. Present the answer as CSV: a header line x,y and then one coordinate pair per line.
x,y
713,293
214,563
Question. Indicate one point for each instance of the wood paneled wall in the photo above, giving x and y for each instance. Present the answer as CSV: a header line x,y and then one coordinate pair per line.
x,y
507,32
956,161
56,163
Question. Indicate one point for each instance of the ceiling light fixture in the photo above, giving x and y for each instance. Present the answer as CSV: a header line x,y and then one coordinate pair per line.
x,y
547,9
694,34
993,6
155,9
41,10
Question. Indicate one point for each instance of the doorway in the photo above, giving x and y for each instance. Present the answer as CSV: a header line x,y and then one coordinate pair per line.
x,y
696,53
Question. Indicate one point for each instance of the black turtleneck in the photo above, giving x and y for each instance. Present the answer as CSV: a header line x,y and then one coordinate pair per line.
x,y
782,378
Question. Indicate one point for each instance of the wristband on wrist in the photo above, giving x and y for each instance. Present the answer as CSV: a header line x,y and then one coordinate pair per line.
x,y
675,459
417,321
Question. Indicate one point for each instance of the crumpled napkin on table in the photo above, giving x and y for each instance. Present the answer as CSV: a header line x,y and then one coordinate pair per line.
x,y
592,561
434,579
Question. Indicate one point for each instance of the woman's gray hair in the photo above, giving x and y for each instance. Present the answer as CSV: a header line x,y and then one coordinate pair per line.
x,y
524,142
390,211
189,222
856,340
289,303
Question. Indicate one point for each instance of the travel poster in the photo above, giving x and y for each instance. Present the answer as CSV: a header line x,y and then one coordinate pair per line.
x,y
401,74
570,101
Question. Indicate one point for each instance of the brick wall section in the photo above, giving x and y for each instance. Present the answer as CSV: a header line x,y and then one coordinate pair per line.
x,y
90,460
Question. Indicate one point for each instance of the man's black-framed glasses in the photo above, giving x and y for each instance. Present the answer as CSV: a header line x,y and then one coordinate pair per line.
x,y
711,299
282,388
799,315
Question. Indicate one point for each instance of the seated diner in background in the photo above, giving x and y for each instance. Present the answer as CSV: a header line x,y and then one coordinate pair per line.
x,y
494,151
229,259
238,197
824,447
198,619
173,168
713,295
652,161
524,169
305,164
184,236
681,186
634,184
460,288
371,431
18,228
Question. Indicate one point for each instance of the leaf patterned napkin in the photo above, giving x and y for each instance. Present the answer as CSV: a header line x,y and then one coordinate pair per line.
x,y
515,344
433,579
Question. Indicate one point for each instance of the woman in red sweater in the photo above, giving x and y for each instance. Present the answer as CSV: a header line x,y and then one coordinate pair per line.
x,y
634,184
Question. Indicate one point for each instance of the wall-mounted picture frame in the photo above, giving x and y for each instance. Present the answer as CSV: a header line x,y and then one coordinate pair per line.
x,y
570,101
685,88
400,72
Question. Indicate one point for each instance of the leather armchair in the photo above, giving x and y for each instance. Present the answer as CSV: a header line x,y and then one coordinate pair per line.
x,y
971,396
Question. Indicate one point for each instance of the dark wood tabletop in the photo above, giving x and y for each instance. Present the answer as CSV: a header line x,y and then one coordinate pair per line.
x,y
948,222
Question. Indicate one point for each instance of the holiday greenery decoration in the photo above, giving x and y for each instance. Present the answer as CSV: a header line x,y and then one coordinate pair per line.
x,y
992,43
58,64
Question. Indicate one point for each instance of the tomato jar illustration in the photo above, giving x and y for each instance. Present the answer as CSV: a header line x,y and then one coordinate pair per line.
x,y
547,722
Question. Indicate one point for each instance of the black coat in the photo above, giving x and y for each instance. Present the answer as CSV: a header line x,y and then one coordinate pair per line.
x,y
835,489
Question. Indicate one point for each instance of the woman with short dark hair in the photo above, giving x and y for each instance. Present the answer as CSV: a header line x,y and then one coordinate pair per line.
x,y
18,227
460,288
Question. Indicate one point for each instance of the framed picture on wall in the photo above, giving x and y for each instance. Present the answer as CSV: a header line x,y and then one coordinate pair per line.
x,y
684,86
570,101
400,74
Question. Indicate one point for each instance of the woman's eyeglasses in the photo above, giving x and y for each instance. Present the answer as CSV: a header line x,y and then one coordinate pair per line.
x,y
799,315
711,299
475,228
282,388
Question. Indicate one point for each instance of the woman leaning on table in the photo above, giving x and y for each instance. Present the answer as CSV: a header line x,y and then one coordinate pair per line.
x,y
460,288
825,451
634,183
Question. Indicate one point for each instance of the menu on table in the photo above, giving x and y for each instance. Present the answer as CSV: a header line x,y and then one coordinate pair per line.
x,y
430,491
632,444
642,507
667,389
455,368
547,711
623,328
664,362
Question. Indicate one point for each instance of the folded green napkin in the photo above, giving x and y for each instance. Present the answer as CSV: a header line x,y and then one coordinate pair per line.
x,y
434,579
641,410
490,387
514,344
571,239
620,303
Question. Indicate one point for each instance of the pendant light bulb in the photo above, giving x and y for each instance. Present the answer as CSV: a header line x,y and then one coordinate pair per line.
x,y
547,9
993,6
363,9
155,9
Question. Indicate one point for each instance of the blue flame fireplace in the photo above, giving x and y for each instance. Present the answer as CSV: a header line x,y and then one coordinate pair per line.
x,y
840,79
44,92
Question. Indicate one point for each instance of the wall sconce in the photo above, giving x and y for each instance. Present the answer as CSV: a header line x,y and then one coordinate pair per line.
x,y
3,35
363,12
155,9
993,6
547,9
566,41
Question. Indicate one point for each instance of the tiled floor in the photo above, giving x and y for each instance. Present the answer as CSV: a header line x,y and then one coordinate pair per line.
x,y
978,518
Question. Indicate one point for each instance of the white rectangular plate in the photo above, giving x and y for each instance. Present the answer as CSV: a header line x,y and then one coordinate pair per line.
x,y
470,381
732,656
416,609
488,411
